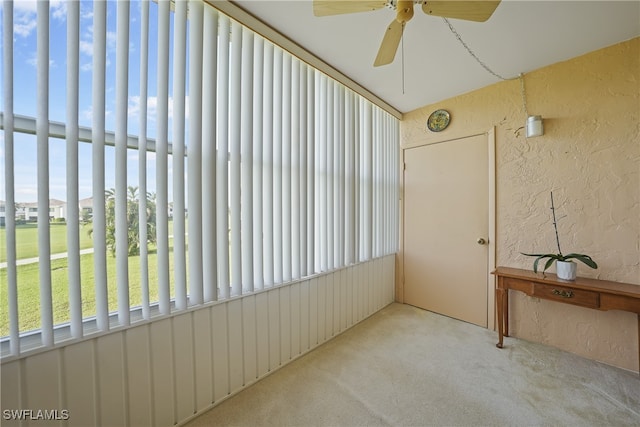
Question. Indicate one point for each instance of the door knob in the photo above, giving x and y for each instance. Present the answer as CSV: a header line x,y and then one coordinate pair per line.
x,y
481,241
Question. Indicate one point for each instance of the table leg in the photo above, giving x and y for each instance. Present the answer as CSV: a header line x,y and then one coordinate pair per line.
x,y
638,343
500,305
505,304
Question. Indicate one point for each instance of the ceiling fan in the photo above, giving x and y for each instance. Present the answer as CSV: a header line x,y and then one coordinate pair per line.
x,y
470,10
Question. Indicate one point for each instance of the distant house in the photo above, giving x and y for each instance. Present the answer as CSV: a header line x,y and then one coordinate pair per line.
x,y
57,209
29,211
86,208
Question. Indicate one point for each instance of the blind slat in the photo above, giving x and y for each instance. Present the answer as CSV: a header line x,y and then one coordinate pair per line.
x,y
311,195
368,183
246,162
323,232
257,161
72,131
277,165
303,170
286,167
142,159
335,174
121,195
194,151
42,138
295,206
209,160
162,159
235,59
267,155
316,173
340,257
222,181
349,177
98,133
10,220
178,153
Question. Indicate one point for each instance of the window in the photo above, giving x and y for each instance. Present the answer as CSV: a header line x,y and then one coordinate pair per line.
x,y
191,171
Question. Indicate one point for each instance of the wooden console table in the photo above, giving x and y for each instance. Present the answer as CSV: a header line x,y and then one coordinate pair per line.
x,y
590,293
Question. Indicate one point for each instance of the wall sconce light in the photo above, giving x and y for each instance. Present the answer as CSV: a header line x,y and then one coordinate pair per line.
x,y
534,126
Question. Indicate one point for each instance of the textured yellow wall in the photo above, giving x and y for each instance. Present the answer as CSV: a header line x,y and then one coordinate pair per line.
x,y
590,157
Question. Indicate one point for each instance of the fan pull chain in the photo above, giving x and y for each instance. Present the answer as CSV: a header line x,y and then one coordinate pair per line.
x,y
402,55
472,53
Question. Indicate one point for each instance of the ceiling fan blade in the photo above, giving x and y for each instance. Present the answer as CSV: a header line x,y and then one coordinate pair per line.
x,y
389,44
338,7
478,10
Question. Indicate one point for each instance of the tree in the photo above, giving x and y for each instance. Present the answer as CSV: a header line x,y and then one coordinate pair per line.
x,y
133,220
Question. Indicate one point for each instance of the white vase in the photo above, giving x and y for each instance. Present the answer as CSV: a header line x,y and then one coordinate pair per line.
x,y
566,270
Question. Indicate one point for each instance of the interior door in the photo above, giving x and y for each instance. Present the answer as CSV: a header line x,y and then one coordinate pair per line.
x,y
446,228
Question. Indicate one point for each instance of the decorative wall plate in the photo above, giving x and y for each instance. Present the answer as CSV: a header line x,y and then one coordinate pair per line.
x,y
438,120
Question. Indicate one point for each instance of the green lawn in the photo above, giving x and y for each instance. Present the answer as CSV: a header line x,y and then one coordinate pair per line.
x,y
29,290
27,240
28,278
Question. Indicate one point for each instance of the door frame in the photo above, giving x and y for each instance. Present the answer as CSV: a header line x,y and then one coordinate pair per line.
x,y
491,261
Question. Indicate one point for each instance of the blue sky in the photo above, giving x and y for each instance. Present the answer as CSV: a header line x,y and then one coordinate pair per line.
x,y
25,97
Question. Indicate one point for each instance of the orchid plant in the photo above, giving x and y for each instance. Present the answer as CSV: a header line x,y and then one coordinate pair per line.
x,y
559,256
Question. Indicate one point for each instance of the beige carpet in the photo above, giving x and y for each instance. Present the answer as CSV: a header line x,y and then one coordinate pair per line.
x,y
408,367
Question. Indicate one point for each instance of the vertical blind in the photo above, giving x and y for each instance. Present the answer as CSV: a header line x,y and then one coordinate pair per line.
x,y
278,171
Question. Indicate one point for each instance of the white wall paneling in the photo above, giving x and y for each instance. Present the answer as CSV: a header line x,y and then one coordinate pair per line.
x,y
203,340
162,388
12,390
285,324
79,379
236,352
138,376
262,333
219,335
296,302
183,366
43,370
273,310
112,393
250,339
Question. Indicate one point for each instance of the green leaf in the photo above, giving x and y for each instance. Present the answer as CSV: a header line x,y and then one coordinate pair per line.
x,y
552,258
548,264
583,258
532,254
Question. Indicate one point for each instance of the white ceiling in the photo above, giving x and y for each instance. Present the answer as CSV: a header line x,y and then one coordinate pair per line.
x,y
520,37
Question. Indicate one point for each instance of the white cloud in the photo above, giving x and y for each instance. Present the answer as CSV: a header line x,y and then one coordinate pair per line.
x,y
34,62
59,10
25,6
86,47
24,18
25,15
87,114
152,107
86,14
86,10
111,40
